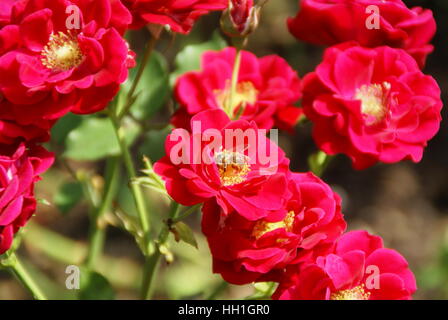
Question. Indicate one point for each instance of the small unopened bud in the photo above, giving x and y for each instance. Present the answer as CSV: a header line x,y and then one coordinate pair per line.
x,y
239,13
241,18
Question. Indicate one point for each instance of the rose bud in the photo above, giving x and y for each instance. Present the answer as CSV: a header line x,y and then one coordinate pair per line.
x,y
241,18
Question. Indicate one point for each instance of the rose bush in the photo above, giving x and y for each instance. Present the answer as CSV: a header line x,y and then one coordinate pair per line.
x,y
368,99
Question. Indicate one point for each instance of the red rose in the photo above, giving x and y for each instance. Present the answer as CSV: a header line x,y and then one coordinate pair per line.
x,y
48,70
329,22
247,173
20,168
266,90
360,268
180,16
245,251
371,104
11,132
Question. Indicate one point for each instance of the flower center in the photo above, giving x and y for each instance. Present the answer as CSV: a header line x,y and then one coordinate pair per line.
x,y
374,100
62,52
233,167
245,94
262,227
357,293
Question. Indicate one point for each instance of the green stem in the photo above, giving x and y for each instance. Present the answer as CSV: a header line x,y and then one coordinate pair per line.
x,y
153,261
24,277
146,57
136,190
97,229
234,84
116,114
187,213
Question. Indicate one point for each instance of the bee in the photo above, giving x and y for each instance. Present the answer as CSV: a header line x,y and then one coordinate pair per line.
x,y
226,158
233,166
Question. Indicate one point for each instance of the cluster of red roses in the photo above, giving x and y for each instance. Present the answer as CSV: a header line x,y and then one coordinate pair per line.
x,y
60,56
282,226
368,99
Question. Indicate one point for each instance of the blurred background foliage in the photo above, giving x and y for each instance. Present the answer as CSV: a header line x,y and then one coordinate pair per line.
x,y
405,203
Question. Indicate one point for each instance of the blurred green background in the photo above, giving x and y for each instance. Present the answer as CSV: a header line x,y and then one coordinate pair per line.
x,y
405,203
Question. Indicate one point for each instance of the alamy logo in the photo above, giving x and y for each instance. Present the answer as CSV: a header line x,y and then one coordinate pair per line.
x,y
373,280
73,279
73,21
373,20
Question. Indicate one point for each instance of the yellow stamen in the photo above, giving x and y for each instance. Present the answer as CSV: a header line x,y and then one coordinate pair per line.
x,y
245,94
374,99
357,293
62,52
263,227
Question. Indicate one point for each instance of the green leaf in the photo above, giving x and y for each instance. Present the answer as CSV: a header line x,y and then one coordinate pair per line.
x,y
154,144
182,232
95,139
68,196
153,89
190,57
95,286
318,162
62,128
263,291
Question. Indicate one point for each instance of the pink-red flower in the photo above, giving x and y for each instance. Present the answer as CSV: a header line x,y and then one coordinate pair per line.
x,y
371,104
360,268
20,167
245,251
231,161
50,67
329,22
105,13
11,132
180,16
266,91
